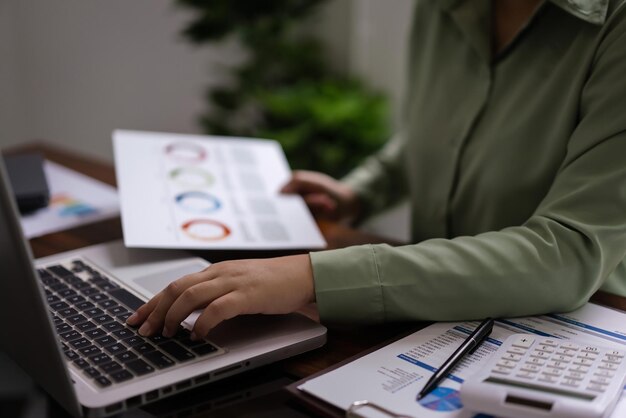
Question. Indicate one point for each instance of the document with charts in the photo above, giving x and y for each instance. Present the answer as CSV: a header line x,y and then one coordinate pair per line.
x,y
392,376
207,192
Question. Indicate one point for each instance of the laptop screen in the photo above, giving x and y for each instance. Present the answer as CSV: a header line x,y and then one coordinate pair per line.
x,y
26,330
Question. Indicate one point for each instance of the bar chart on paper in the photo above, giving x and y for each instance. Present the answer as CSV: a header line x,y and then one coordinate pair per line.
x,y
205,192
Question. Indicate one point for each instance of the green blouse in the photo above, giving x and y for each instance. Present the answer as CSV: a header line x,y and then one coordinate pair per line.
x,y
514,165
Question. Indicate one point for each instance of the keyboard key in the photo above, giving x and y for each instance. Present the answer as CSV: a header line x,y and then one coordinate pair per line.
x,y
100,359
124,333
67,292
144,348
158,339
52,299
133,341
113,326
98,297
177,351
103,319
56,320
106,286
90,351
89,290
159,359
203,350
93,312
105,341
120,376
80,343
70,335
83,306
117,310
62,328
111,367
74,299
59,270
127,298
76,319
81,363
102,381
70,355
85,326
114,349
67,312
108,303
139,367
95,333
124,317
59,288
91,372
126,356
80,285
57,306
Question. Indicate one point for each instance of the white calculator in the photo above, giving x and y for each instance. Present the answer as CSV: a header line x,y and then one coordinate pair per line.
x,y
533,376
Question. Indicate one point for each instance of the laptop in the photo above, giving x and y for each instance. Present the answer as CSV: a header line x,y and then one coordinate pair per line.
x,y
62,319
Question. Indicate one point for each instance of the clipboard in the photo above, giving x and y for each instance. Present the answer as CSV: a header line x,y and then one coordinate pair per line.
x,y
324,409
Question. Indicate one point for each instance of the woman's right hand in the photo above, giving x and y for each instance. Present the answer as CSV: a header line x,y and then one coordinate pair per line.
x,y
326,197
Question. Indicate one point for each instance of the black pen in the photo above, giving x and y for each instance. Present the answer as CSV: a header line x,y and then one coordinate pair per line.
x,y
469,345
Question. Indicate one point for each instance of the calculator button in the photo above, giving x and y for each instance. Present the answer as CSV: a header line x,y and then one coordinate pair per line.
x,y
590,356
506,363
511,357
501,370
526,375
583,361
516,350
561,358
546,348
548,379
566,352
608,366
612,359
570,346
616,353
596,388
570,383
557,364
530,368
550,342
604,373
591,349
540,354
599,380
552,372
575,376
523,341
536,361
581,369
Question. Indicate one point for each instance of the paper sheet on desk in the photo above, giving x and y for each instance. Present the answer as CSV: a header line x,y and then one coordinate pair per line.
x,y
75,200
393,375
199,192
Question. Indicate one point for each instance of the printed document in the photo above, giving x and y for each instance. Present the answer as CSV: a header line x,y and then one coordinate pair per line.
x,y
207,192
392,376
75,200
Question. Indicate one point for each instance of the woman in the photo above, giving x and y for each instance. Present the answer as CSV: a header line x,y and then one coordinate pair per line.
x,y
513,155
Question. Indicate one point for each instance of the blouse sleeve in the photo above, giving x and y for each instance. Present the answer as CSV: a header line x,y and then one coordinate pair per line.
x,y
553,262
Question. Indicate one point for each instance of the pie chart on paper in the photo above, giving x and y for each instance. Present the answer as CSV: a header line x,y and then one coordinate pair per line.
x,y
442,399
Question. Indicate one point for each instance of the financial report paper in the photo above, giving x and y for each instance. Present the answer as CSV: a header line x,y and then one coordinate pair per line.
x,y
207,192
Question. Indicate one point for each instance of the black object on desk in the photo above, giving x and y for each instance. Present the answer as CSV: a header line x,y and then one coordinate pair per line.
x,y
469,346
28,181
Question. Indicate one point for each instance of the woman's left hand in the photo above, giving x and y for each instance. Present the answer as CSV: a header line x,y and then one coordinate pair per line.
x,y
227,289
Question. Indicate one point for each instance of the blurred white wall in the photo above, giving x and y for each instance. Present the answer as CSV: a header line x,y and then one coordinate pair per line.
x,y
74,70
85,67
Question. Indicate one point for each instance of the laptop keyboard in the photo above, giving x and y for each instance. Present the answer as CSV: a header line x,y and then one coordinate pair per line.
x,y
90,313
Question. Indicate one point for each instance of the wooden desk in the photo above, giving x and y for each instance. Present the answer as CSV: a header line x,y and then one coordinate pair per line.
x,y
343,341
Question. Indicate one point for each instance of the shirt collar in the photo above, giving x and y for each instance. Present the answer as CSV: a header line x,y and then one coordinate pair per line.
x,y
592,11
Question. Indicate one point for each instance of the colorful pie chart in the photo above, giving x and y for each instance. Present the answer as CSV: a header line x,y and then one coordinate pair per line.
x,y
194,177
186,152
442,399
205,230
198,202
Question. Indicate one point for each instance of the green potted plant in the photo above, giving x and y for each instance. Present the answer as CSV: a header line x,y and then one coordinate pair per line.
x,y
284,89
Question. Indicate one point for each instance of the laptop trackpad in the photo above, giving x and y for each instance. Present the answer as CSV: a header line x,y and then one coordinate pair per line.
x,y
153,283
